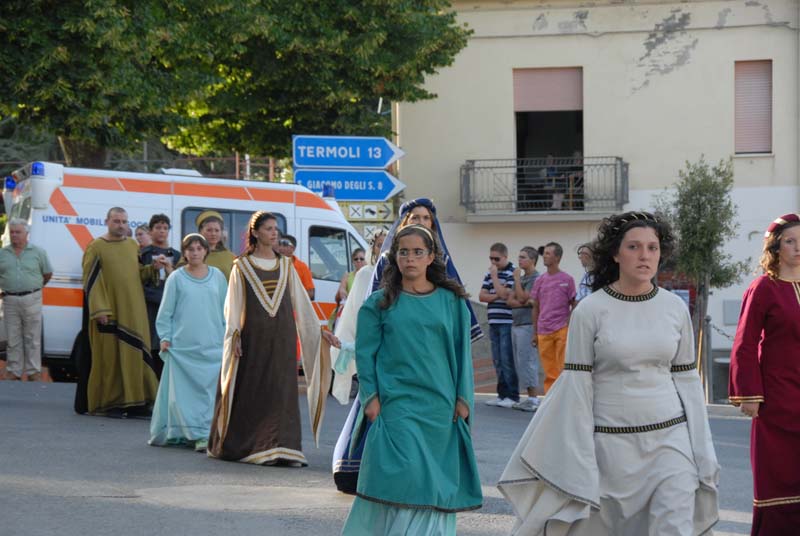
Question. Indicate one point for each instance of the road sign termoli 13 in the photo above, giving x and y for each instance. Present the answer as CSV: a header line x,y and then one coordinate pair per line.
x,y
352,165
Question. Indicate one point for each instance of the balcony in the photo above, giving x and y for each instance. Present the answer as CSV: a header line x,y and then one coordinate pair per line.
x,y
544,189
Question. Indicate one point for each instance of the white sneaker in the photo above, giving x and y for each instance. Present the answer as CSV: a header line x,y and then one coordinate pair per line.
x,y
506,403
493,402
529,404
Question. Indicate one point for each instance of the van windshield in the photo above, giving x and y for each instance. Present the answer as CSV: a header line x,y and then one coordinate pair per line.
x,y
21,209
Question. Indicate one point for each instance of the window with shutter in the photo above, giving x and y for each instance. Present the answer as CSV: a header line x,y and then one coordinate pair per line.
x,y
753,122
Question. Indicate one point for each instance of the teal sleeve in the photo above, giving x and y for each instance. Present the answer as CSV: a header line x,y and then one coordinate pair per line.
x,y
369,334
465,390
166,311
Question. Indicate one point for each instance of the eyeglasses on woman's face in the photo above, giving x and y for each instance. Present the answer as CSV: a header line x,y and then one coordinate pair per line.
x,y
416,253
358,259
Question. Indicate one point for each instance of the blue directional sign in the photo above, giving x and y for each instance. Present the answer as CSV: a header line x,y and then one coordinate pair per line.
x,y
351,184
353,152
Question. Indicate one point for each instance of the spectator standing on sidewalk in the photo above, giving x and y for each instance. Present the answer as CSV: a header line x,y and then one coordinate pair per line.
x,y
585,255
498,286
286,246
24,270
526,356
553,300
154,288
142,235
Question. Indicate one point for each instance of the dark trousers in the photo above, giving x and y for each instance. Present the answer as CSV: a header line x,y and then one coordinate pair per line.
x,y
503,360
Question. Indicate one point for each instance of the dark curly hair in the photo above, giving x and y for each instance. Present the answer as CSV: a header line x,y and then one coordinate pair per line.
x,y
770,254
392,280
609,237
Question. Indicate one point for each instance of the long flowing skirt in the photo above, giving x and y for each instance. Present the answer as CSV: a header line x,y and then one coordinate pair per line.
x,y
374,519
349,450
185,400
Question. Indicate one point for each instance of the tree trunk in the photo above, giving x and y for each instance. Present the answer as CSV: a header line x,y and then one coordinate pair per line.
x,y
700,337
80,153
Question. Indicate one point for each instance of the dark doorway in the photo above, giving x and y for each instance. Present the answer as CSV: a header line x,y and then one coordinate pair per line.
x,y
550,160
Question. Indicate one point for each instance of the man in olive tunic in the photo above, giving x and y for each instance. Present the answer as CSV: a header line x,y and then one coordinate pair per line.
x,y
120,381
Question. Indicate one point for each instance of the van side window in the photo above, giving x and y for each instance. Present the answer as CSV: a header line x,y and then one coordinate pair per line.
x,y
327,253
235,234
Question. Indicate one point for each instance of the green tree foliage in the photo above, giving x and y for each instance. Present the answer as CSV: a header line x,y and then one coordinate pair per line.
x,y
320,68
214,76
703,216
106,73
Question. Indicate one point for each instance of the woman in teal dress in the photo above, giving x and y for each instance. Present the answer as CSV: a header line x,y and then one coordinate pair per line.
x,y
191,327
416,387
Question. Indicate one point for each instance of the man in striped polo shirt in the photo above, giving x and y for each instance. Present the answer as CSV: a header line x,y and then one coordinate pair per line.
x,y
498,285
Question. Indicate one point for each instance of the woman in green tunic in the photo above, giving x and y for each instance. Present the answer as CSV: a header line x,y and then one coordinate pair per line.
x,y
413,352
210,225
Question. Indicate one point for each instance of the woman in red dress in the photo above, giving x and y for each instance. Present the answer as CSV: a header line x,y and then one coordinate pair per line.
x,y
765,379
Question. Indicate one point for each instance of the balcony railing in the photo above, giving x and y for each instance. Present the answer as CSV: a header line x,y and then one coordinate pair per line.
x,y
590,184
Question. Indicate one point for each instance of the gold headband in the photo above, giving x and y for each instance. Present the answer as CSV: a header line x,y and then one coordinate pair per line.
x,y
633,216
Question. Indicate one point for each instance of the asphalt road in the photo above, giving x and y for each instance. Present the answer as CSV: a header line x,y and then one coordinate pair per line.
x,y
66,474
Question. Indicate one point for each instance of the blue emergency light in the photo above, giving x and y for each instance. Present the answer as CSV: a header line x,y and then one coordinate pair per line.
x,y
328,190
10,182
37,168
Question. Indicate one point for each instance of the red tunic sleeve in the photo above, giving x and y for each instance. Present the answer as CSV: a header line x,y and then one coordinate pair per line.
x,y
745,384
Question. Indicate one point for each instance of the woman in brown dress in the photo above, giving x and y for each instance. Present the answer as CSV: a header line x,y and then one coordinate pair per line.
x,y
256,415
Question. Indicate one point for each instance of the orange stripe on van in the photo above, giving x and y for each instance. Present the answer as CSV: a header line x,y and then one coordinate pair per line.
x,y
324,309
147,187
61,204
307,199
277,196
212,190
81,234
93,183
62,297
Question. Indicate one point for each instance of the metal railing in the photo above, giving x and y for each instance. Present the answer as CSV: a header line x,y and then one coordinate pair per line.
x,y
590,184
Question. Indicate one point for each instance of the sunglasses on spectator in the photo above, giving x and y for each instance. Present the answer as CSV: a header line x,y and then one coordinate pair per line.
x,y
356,259
495,259
284,242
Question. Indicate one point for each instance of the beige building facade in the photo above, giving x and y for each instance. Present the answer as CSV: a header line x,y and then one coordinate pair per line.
x,y
559,113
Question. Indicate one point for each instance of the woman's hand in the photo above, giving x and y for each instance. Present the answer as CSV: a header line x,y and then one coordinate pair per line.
x,y
750,408
373,409
164,346
332,339
462,410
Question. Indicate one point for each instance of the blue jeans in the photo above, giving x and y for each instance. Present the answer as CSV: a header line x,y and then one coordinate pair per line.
x,y
503,360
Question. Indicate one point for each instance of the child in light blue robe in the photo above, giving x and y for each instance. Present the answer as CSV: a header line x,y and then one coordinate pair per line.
x,y
191,328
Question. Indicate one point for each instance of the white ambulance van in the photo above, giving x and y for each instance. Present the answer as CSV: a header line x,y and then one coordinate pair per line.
x,y
66,209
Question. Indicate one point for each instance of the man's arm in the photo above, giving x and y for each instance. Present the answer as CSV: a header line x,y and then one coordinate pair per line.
x,y
486,296
521,296
46,278
535,320
500,290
